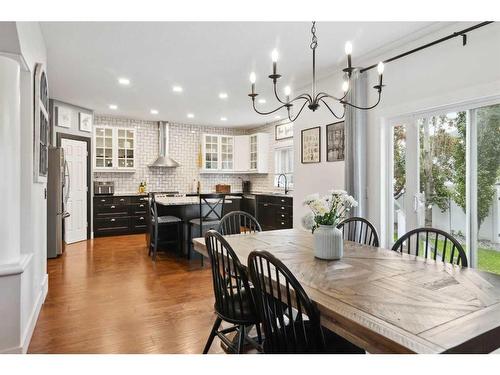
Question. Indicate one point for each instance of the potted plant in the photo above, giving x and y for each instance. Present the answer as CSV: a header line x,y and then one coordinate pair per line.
x,y
326,213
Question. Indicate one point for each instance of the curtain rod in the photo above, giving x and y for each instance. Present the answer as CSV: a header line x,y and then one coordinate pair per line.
x,y
462,33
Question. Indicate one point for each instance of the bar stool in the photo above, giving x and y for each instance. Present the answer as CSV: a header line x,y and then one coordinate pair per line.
x,y
159,222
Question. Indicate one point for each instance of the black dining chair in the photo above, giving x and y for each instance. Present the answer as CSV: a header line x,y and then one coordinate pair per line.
x,y
360,230
234,301
157,223
211,207
290,320
238,222
432,243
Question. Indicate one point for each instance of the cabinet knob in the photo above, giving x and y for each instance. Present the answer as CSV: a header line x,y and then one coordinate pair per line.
x,y
283,200
103,200
113,207
122,200
282,223
141,218
113,220
141,205
282,207
282,215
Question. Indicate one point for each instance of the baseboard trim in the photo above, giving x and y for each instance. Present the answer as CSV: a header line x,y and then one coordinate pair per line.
x,y
30,327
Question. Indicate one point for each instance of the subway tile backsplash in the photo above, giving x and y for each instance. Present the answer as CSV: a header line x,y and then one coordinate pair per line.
x,y
185,142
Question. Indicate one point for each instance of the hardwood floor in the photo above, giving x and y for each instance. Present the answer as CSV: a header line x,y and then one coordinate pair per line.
x,y
107,296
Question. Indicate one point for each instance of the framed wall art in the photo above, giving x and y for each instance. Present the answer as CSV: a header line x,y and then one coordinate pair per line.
x,y
335,141
311,145
85,122
63,117
283,131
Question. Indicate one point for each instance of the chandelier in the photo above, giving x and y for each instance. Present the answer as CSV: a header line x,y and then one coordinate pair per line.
x,y
313,99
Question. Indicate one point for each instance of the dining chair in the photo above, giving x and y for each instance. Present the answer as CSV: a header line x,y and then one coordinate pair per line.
x,y
156,223
290,320
238,222
360,230
234,301
431,242
211,207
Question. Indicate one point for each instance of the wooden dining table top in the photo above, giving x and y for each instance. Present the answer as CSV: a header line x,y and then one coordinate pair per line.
x,y
385,301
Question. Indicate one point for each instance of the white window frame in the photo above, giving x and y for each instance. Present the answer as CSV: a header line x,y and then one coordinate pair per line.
x,y
288,145
387,215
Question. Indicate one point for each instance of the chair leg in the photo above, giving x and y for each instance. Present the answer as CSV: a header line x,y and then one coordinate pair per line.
x,y
155,246
241,339
259,333
189,243
212,335
179,238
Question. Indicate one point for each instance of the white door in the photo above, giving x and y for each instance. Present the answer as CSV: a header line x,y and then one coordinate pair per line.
x,y
75,226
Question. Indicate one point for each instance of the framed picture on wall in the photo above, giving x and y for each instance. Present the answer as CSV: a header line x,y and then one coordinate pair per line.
x,y
283,131
63,117
85,122
311,145
335,141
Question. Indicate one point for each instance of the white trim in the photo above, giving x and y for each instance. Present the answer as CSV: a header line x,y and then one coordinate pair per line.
x,y
16,268
30,326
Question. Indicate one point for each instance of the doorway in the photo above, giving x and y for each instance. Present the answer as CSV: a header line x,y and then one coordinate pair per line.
x,y
445,174
77,155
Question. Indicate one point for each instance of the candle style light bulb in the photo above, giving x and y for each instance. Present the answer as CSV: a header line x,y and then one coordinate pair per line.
x,y
274,55
380,68
253,78
288,90
348,48
345,86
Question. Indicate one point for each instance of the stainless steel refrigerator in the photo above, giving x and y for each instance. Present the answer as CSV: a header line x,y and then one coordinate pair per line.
x,y
58,185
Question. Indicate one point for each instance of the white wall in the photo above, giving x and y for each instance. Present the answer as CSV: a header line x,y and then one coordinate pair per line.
x,y
320,177
32,221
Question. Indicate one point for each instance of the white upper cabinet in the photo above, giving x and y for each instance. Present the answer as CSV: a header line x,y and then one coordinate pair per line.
x,y
114,149
235,154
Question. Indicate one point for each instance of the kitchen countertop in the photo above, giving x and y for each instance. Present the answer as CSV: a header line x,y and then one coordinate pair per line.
x,y
236,194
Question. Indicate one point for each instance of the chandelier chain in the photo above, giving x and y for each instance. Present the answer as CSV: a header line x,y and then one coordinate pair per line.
x,y
314,41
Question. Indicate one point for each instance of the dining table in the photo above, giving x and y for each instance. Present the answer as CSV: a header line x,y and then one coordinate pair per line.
x,y
385,301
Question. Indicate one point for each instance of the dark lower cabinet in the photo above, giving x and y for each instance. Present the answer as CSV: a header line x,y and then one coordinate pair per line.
x,y
274,212
120,215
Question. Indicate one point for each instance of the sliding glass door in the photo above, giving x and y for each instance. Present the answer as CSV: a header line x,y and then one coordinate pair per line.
x,y
446,175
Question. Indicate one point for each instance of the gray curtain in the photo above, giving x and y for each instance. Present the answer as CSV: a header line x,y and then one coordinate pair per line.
x,y
355,144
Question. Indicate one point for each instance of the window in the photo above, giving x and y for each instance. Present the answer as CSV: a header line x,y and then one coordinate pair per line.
x,y
283,164
446,175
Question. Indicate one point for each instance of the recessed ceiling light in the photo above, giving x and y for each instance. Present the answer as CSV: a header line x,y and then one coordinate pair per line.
x,y
262,101
124,81
192,132
277,117
223,118
113,106
223,95
177,89
154,111
190,115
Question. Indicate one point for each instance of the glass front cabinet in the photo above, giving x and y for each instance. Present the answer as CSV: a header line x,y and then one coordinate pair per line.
x,y
235,154
114,149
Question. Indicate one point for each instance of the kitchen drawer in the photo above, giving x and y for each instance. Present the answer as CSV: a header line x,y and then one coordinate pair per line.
x,y
283,215
283,201
100,200
111,223
138,208
284,209
284,224
111,209
121,200
139,222
138,199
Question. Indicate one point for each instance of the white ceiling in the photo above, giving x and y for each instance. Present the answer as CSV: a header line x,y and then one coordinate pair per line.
x,y
86,59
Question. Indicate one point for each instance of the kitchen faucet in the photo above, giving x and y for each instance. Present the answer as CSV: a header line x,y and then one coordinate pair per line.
x,y
286,182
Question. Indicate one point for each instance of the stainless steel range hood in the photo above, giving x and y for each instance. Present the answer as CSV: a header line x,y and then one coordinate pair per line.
x,y
163,160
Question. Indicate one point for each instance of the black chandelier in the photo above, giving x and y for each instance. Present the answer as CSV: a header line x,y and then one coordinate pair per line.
x,y
313,100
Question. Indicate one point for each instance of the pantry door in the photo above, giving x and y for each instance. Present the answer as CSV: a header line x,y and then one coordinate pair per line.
x,y
75,154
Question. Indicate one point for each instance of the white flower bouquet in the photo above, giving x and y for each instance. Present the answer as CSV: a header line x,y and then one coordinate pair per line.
x,y
330,209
